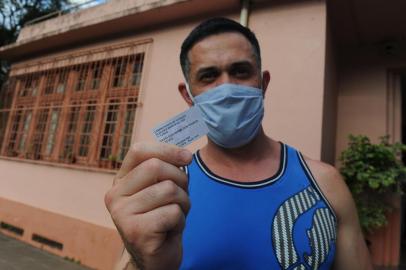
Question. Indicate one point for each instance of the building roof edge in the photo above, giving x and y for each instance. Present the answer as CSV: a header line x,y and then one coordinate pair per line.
x,y
97,22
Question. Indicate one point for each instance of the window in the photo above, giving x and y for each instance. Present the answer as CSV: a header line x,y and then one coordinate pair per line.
x,y
50,83
19,130
110,123
15,133
70,134
82,72
6,98
52,128
62,80
55,81
39,134
4,115
29,85
97,71
86,131
137,65
25,128
85,114
120,66
126,132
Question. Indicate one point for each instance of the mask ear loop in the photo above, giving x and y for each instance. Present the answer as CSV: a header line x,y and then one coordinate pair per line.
x,y
190,93
261,84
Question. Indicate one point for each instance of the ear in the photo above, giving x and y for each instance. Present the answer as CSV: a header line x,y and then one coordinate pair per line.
x,y
183,92
266,78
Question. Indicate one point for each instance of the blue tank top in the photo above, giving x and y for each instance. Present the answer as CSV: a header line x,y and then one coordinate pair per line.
x,y
283,222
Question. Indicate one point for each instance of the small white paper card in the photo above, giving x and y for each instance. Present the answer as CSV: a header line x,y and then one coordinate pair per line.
x,y
182,129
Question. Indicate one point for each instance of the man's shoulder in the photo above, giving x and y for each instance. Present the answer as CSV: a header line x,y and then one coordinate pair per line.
x,y
332,185
323,171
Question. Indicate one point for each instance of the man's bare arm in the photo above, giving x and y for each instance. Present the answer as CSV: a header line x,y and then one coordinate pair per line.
x,y
125,262
351,249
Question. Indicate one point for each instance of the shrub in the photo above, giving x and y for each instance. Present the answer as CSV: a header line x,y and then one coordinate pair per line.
x,y
372,171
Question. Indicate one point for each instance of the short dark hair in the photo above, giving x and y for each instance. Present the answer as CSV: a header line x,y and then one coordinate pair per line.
x,y
211,27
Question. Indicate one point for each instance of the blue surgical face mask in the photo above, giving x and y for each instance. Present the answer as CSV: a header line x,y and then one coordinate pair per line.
x,y
232,112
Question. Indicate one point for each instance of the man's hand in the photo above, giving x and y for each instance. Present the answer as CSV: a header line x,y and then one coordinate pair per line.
x,y
148,204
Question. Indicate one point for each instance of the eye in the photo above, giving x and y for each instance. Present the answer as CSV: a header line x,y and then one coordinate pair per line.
x,y
241,72
208,76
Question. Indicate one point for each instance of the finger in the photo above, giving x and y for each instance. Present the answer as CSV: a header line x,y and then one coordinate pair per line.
x,y
140,152
167,218
158,195
149,173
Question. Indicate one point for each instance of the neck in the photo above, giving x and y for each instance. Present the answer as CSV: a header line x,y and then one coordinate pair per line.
x,y
259,148
255,161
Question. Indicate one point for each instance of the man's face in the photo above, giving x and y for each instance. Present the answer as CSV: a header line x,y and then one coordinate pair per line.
x,y
222,58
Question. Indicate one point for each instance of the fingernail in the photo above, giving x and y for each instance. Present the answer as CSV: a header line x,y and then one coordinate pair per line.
x,y
185,156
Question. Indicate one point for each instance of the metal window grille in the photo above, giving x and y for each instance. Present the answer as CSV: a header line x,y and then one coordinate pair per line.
x,y
82,74
6,98
86,131
77,109
50,83
39,134
52,128
55,81
62,80
137,64
126,132
4,116
29,85
110,123
120,66
97,71
15,133
25,128
70,134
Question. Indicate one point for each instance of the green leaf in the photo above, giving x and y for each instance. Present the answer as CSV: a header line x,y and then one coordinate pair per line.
x,y
370,171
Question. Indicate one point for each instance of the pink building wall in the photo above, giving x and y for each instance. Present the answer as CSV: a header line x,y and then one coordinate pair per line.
x,y
90,244
369,103
74,193
292,39
366,104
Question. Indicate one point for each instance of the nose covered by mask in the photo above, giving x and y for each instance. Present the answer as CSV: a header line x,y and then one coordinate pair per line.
x,y
232,112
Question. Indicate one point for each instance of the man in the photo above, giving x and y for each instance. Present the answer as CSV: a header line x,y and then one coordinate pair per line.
x,y
245,201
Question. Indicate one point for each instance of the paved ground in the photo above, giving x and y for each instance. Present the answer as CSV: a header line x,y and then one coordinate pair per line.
x,y
16,255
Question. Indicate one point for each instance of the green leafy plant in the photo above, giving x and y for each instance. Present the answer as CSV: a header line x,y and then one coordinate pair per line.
x,y
115,164
372,171
112,158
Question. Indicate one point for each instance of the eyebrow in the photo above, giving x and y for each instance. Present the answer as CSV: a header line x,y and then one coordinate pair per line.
x,y
245,64
206,69
214,68
241,63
